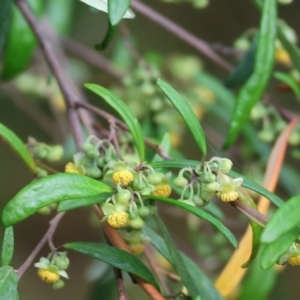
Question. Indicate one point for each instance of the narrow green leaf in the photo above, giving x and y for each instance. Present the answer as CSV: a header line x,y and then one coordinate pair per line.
x,y
5,10
117,10
47,190
251,92
102,5
78,203
286,218
7,246
187,280
247,183
125,113
253,282
256,228
199,213
186,113
165,144
273,251
244,69
8,283
205,287
16,144
290,81
21,42
251,185
114,257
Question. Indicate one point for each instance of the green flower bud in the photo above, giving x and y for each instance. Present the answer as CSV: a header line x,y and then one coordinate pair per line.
x,y
136,223
93,172
55,153
133,214
294,138
45,210
100,162
144,211
123,196
41,151
41,172
211,187
58,284
155,178
180,182
242,44
199,202
280,125
121,207
61,261
266,136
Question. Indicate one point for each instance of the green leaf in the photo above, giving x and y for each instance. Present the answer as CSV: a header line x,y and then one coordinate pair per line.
x,y
21,42
117,10
244,69
47,190
165,144
78,203
251,92
12,139
125,113
59,14
251,185
175,163
8,283
253,282
286,218
103,6
187,280
273,251
290,81
7,246
204,286
5,10
186,113
199,213
114,257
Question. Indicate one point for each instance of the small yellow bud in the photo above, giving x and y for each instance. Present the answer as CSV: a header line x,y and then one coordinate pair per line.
x,y
282,57
48,276
71,168
136,248
118,219
294,260
124,177
163,190
228,197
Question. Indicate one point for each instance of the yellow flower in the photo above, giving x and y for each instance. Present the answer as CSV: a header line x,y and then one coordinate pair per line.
x,y
71,168
228,197
227,190
118,219
124,177
294,260
163,190
48,276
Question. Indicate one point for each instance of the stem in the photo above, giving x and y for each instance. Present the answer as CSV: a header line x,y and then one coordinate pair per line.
x,y
47,237
181,33
66,88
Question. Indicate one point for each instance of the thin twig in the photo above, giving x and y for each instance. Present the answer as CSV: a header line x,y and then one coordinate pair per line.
x,y
120,284
251,213
47,237
181,33
66,88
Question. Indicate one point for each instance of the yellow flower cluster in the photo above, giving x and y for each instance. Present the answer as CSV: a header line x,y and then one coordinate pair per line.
x,y
124,177
48,276
163,190
118,219
71,168
294,260
282,56
228,197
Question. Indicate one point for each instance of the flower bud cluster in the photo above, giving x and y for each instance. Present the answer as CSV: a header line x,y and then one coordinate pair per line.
x,y
208,179
52,268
